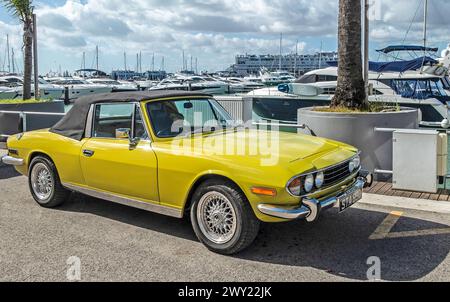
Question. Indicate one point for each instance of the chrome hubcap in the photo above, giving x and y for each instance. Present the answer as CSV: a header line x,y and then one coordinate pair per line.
x,y
216,217
41,181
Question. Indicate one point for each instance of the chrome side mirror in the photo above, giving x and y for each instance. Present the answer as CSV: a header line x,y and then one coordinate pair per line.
x,y
134,142
123,133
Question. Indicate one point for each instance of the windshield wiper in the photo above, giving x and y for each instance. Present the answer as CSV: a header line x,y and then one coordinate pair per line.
x,y
201,130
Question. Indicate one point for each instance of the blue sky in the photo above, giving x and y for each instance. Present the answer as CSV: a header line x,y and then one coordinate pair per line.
x,y
212,30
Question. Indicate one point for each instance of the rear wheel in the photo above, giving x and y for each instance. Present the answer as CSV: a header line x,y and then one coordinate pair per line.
x,y
44,183
222,218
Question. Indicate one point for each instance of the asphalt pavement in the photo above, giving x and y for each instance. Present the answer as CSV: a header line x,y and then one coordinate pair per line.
x,y
117,243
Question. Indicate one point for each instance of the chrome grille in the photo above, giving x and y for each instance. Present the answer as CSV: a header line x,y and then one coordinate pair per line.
x,y
336,174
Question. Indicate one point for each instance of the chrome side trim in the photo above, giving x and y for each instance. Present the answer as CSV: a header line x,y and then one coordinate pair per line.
x,y
150,207
9,160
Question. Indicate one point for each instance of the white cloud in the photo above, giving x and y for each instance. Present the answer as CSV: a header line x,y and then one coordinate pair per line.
x,y
215,30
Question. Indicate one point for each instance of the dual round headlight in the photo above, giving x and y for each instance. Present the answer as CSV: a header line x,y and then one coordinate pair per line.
x,y
309,183
354,164
320,179
306,183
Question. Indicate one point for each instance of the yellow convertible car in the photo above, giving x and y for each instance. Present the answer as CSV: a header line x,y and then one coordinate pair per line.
x,y
169,152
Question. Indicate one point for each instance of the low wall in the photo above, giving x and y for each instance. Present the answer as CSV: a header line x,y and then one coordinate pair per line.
x,y
12,124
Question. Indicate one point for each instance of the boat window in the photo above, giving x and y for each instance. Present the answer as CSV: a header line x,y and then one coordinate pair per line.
x,y
418,89
307,79
329,91
326,78
446,83
172,118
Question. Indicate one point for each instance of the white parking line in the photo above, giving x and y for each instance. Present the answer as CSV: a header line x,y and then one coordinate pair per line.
x,y
386,226
384,229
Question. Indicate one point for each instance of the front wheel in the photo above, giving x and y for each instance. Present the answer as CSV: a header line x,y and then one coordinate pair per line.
x,y
44,183
222,218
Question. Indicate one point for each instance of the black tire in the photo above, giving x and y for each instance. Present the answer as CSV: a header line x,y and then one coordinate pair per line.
x,y
58,193
247,225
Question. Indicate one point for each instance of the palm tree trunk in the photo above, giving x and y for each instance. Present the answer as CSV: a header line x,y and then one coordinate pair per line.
x,y
28,58
350,90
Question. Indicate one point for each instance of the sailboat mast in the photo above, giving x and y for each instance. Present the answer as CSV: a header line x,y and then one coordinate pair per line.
x,y
320,54
425,25
153,62
12,60
125,60
83,64
96,56
281,48
425,28
366,49
295,59
7,51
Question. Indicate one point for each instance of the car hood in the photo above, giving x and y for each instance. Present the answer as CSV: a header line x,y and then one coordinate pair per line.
x,y
285,148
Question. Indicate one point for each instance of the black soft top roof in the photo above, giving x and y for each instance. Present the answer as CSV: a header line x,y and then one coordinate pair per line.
x,y
73,124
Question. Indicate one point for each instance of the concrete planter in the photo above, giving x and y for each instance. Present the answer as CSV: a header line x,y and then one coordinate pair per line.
x,y
358,130
11,123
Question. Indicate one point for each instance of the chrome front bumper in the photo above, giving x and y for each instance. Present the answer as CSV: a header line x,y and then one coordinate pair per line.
x,y
9,160
311,208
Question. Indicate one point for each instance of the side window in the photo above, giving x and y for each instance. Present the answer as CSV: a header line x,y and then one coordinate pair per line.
x,y
108,118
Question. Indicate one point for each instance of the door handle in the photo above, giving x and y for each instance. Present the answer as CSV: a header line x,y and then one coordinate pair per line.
x,y
88,153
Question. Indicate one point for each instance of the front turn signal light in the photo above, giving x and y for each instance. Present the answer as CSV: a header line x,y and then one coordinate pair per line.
x,y
264,191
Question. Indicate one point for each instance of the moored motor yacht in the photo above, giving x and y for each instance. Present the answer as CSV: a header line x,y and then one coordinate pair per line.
x,y
78,87
7,93
192,83
420,83
240,85
116,86
276,77
46,90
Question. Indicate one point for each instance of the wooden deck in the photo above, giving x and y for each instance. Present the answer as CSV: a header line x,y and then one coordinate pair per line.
x,y
384,188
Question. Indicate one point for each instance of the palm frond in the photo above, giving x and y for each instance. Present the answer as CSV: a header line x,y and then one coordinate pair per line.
x,y
22,9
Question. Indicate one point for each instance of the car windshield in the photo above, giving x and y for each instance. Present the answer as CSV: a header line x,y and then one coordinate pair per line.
x,y
184,117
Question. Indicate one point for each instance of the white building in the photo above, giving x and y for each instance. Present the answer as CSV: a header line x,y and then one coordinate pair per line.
x,y
298,64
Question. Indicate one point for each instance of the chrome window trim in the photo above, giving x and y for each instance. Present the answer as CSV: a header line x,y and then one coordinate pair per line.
x,y
144,122
90,123
147,206
322,170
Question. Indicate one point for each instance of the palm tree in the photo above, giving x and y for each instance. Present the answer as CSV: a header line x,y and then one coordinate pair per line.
x,y
23,9
350,91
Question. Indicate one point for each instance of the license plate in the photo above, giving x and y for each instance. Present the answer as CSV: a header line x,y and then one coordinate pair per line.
x,y
349,198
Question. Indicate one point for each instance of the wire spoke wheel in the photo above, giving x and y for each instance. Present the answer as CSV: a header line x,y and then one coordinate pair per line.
x,y
42,181
216,217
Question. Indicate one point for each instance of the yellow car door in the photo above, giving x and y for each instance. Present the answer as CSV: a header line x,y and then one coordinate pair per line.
x,y
117,157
